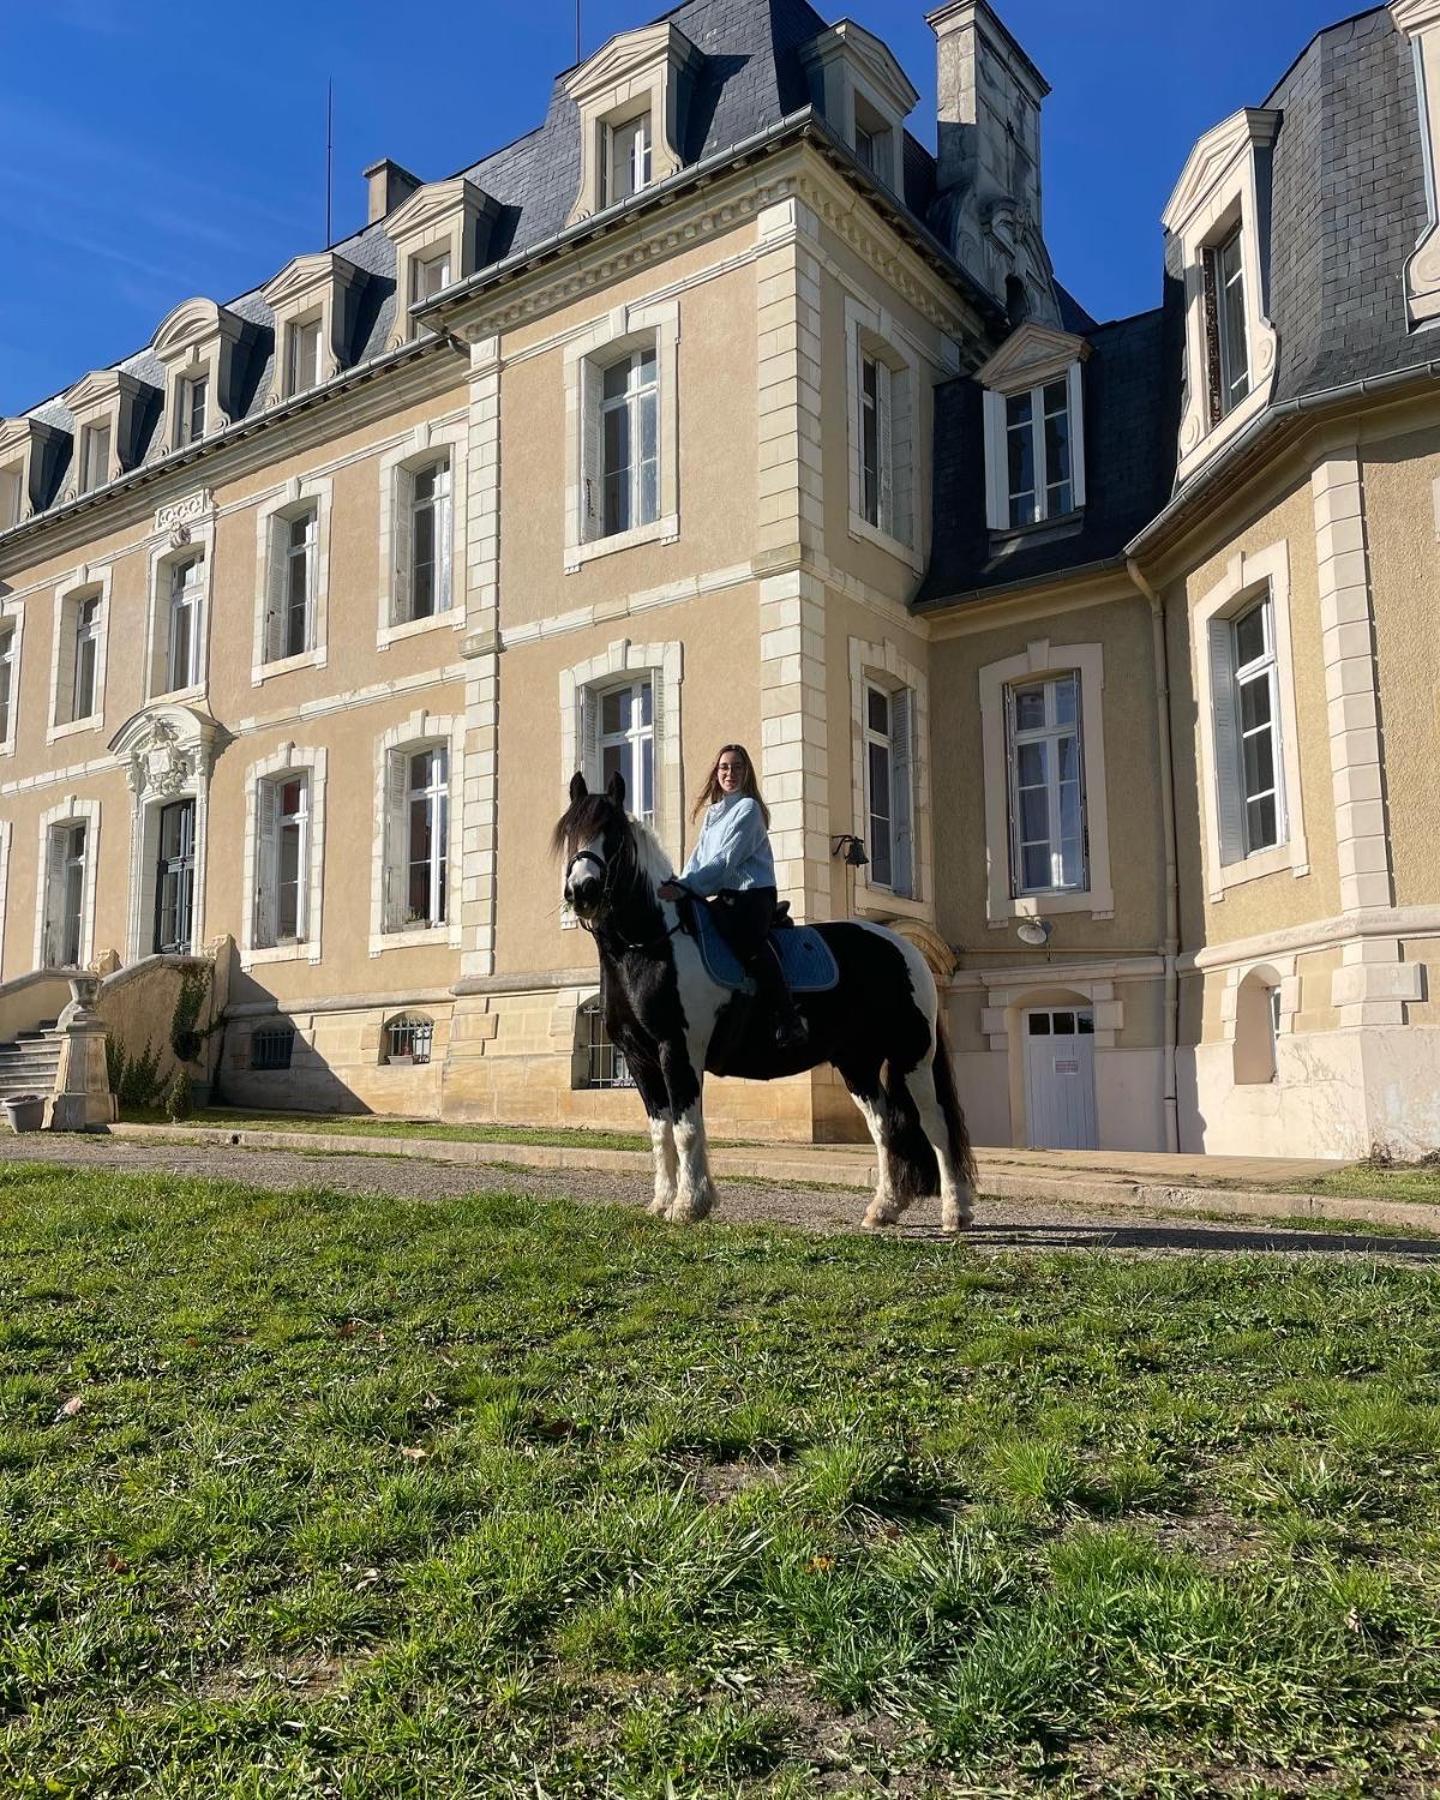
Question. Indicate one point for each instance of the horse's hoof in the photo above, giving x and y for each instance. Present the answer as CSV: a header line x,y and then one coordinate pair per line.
x,y
878,1215
660,1206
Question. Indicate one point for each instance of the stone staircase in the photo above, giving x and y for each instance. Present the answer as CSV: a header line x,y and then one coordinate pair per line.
x,y
28,1065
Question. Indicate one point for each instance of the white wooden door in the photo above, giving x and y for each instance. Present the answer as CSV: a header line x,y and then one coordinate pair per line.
x,y
1060,1078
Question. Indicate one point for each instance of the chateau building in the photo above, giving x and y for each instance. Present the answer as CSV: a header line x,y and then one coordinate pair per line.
x,y
717,407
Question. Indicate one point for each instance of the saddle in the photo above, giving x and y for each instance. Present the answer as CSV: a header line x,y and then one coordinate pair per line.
x,y
808,961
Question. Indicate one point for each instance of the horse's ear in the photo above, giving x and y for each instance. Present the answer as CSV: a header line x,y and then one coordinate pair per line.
x,y
615,790
578,789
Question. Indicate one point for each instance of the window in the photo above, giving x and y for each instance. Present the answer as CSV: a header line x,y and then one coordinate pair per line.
x,y
873,141
423,542
290,614
1047,796
428,274
94,456
12,486
603,1063
272,1047
182,663
416,859
1038,461
630,430
175,879
408,1039
1257,722
875,470
192,396
1257,1029
87,651
302,356
1227,352
628,159
7,682
622,722
282,861
65,895
881,387
889,786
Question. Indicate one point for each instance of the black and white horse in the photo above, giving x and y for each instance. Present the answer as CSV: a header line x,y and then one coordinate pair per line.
x,y
879,1025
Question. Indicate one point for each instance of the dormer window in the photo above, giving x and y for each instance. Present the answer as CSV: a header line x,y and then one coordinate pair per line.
x,y
1034,428
12,487
303,367
873,141
94,456
627,159
428,275
313,299
865,97
1227,352
441,234
197,343
194,395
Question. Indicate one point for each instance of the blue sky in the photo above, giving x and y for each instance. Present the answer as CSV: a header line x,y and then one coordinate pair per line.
x,y
150,151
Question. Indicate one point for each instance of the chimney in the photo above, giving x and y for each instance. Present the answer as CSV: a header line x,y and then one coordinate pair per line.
x,y
988,207
389,186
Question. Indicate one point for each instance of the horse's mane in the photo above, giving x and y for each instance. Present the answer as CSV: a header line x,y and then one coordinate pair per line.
x,y
587,818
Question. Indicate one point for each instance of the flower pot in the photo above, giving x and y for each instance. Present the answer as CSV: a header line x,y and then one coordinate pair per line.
x,y
26,1112
401,1062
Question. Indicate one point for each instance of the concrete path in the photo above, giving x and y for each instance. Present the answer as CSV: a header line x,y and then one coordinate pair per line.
x,y
1011,1222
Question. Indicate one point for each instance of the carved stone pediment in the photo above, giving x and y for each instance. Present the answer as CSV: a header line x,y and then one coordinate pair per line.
x,y
1029,355
166,751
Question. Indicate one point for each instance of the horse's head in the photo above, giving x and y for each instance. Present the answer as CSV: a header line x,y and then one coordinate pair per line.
x,y
593,836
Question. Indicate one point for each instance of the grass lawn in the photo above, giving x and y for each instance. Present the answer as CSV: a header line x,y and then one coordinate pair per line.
x,y
1376,1181
309,1495
368,1125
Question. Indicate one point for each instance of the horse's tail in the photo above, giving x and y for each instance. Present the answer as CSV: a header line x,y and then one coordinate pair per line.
x,y
914,1172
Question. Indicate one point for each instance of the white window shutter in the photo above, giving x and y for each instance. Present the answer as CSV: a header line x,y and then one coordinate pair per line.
x,y
55,897
656,678
1077,435
885,440
445,537
276,536
592,451
397,788
402,545
267,868
997,476
590,737
1228,801
902,782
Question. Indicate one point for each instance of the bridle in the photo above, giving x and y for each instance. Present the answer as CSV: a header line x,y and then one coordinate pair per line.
x,y
607,870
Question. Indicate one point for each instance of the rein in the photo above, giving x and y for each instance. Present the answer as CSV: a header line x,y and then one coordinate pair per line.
x,y
607,870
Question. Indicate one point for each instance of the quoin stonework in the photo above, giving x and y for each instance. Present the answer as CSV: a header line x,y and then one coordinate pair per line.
x,y
718,407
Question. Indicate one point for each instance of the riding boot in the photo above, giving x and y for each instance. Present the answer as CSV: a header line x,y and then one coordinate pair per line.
x,y
769,972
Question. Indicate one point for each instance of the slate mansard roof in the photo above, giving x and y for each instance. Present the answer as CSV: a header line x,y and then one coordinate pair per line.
x,y
1347,204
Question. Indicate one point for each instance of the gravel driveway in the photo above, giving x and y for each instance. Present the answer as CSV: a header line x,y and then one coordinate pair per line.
x,y
999,1224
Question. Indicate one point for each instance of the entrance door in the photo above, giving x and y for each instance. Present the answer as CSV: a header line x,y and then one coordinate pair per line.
x,y
1060,1078
175,878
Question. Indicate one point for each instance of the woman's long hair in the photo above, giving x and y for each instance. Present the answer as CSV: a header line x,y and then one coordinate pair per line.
x,y
712,791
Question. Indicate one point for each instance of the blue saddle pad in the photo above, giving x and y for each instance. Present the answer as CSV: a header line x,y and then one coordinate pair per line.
x,y
808,961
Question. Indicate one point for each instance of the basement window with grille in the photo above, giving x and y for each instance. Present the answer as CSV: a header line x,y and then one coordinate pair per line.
x,y
272,1047
408,1039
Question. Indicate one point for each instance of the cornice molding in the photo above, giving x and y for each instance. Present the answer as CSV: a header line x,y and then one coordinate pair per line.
x,y
100,387
626,54
1414,16
436,200
1031,350
1252,128
306,275
194,322
872,58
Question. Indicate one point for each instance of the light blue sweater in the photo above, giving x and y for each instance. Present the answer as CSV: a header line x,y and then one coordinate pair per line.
x,y
733,849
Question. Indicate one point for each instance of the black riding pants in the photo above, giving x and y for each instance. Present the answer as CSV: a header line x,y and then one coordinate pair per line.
x,y
743,918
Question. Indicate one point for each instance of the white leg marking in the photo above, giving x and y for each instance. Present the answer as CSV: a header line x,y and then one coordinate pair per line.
x,y
662,1142
956,1200
883,1209
695,1194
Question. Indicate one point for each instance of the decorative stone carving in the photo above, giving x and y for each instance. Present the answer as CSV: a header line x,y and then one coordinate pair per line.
x,y
181,512
159,765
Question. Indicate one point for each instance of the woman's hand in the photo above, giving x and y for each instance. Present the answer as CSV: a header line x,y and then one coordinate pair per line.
x,y
670,890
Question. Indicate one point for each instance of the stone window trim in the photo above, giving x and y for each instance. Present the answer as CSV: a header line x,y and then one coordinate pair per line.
x,y
12,619
1225,182
196,341
635,72
1246,579
25,446
882,665
453,217
168,751
415,733
1029,360
289,759
664,663
1277,973
72,810
317,287
81,584
427,444
856,81
872,332
181,545
1419,20
1042,658
104,398
5,834
298,494
640,325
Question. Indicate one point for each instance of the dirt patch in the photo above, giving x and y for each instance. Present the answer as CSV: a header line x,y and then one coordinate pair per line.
x,y
717,1483
309,1677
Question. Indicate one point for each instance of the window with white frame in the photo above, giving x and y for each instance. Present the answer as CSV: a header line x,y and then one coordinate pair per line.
x,y
627,468
192,394
876,449
184,638
7,681
66,850
417,838
12,488
882,386
423,540
1039,460
282,860
303,367
429,274
628,149
890,788
620,740
293,579
1249,764
81,626
94,456
1226,339
1047,786
873,139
